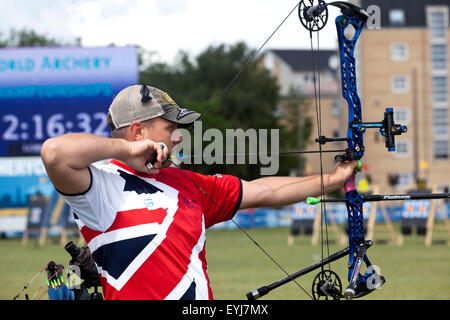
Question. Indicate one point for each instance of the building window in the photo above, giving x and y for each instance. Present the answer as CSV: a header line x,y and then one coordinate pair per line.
x,y
309,77
399,84
269,62
439,89
437,23
401,115
397,17
399,52
404,180
336,108
402,148
440,149
440,122
439,57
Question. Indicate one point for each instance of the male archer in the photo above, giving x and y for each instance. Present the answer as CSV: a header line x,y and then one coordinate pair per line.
x,y
145,225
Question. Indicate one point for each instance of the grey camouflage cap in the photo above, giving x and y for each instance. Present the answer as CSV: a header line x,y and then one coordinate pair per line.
x,y
142,102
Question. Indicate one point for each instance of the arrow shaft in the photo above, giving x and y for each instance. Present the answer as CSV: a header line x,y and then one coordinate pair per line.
x,y
187,156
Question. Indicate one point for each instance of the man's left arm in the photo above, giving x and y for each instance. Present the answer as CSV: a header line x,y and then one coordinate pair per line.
x,y
280,191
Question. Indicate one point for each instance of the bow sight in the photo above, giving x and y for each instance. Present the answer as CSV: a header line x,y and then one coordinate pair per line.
x,y
388,129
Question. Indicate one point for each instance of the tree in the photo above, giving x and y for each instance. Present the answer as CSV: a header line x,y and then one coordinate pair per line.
x,y
29,38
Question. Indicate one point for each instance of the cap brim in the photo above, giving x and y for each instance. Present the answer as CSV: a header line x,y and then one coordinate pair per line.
x,y
184,117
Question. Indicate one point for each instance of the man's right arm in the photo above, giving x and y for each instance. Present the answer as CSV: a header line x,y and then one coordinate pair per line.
x,y
66,158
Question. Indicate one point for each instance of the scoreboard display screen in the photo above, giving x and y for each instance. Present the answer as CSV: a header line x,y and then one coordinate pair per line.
x,y
49,91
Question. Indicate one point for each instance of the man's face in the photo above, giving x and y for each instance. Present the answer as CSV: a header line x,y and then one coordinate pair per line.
x,y
162,130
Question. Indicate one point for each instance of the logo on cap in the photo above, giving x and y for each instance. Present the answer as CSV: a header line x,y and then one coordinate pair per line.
x,y
183,113
168,98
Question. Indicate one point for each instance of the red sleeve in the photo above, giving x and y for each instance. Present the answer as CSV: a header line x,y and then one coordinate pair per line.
x,y
220,196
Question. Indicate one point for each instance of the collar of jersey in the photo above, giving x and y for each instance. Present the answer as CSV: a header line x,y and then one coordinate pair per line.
x,y
124,166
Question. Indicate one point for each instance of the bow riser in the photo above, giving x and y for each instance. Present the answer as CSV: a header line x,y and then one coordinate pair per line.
x,y
348,80
355,143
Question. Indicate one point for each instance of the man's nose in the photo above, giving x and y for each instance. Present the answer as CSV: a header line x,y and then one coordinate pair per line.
x,y
176,137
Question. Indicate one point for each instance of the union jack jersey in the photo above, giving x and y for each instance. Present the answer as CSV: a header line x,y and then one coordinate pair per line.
x,y
146,232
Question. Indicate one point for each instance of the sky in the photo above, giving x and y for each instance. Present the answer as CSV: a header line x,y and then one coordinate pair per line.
x,y
165,26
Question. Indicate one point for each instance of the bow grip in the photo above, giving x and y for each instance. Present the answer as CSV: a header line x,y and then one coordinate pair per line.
x,y
350,184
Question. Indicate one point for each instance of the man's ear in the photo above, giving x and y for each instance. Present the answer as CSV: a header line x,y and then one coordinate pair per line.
x,y
135,131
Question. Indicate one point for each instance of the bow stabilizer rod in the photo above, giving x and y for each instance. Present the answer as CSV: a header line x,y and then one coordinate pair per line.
x,y
262,291
385,197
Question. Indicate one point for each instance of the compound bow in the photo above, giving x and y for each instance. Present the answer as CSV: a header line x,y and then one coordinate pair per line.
x,y
313,15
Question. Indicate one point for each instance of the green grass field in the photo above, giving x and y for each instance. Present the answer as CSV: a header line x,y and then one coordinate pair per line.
x,y
236,265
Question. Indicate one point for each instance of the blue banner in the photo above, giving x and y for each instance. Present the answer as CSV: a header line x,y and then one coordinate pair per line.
x,y
21,178
46,92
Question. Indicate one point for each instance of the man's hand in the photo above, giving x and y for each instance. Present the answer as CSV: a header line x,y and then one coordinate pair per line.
x,y
142,152
342,172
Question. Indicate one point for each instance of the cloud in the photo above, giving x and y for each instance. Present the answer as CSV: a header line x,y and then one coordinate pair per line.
x,y
165,26
43,16
171,7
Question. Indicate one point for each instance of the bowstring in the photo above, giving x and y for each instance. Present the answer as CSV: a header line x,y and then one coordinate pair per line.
x,y
318,108
249,61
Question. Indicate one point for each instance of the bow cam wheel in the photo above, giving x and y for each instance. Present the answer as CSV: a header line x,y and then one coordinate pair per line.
x,y
327,285
313,14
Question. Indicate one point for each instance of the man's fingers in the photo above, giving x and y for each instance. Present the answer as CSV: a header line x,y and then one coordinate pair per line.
x,y
160,154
